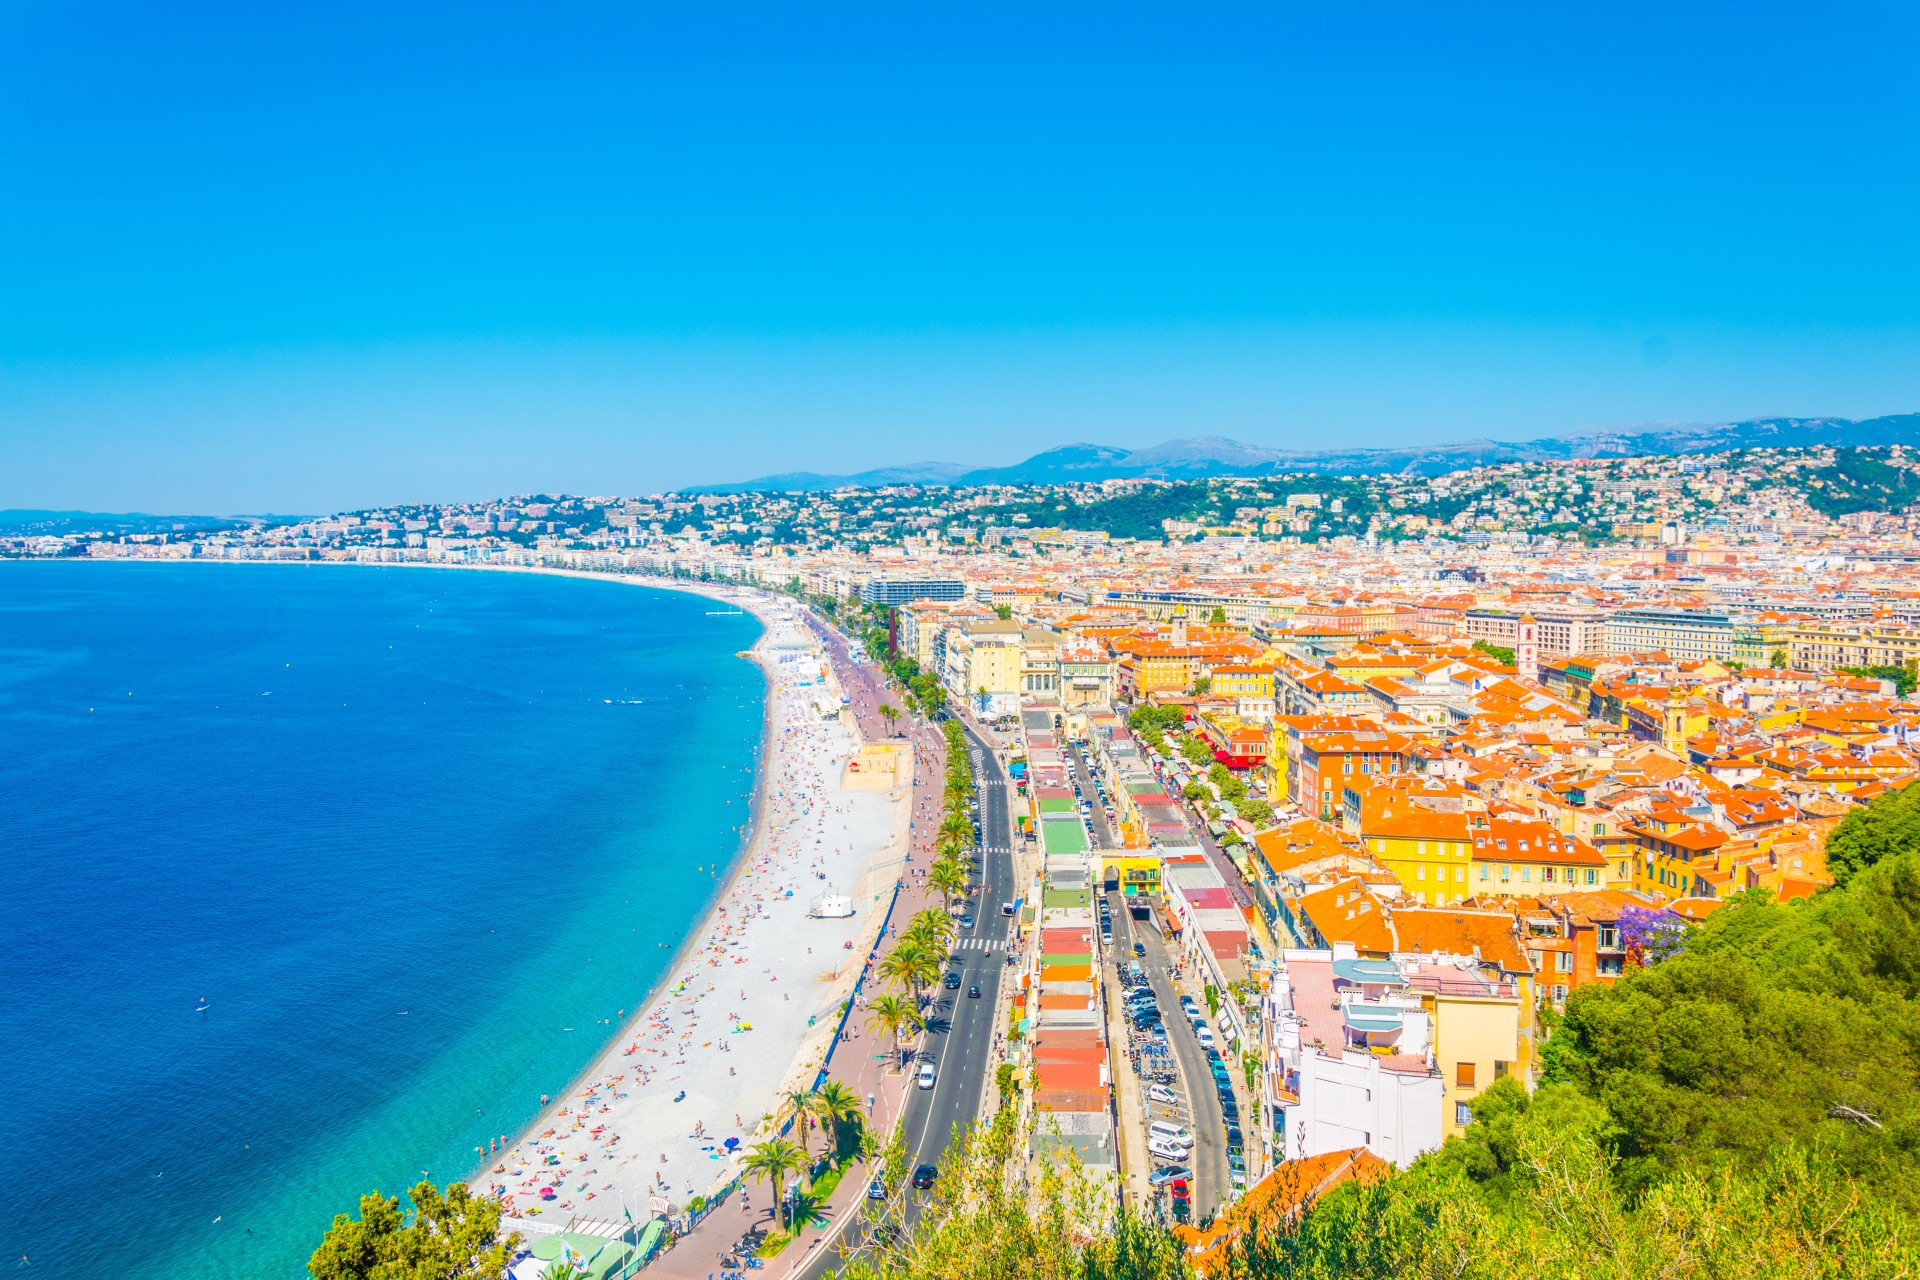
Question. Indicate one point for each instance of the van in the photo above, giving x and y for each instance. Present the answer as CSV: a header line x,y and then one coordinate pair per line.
x,y
1168,1132
1160,1093
1166,1153
1205,1036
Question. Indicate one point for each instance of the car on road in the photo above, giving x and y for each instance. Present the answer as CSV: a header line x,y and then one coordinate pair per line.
x,y
1192,1009
926,1075
973,992
1106,937
1139,950
924,1176
966,922
1234,1137
1006,908
876,1190
952,982
1169,1173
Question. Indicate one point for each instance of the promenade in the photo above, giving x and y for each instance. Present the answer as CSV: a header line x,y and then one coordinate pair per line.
x,y
861,1061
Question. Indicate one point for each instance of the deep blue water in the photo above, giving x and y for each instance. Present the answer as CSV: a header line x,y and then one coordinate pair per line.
x,y
384,824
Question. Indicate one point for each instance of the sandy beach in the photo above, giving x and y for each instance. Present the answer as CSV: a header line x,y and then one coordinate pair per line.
x,y
750,1004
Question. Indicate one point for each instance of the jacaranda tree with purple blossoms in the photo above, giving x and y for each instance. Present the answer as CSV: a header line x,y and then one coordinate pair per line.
x,y
1651,934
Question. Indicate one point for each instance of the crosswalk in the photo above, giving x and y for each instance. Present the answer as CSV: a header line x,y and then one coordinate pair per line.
x,y
981,944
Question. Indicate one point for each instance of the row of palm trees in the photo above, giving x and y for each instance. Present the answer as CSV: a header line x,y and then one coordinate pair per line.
x,y
830,1107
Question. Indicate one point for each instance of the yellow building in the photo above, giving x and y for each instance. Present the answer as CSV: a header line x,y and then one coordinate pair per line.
x,y
1515,858
1428,851
1482,1009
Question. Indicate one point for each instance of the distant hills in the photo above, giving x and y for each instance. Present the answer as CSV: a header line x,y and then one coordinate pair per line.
x,y
1209,456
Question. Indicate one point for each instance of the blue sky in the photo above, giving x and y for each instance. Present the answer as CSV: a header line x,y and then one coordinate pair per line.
x,y
261,259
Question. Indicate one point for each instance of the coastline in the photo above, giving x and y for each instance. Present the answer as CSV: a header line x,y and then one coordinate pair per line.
x,y
608,1083
791,1055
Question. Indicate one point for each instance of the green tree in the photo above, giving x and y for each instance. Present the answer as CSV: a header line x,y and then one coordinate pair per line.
x,y
890,714
771,1162
948,878
1779,658
1874,832
453,1234
1218,617
796,1105
1202,686
1499,653
836,1108
1005,612
897,1016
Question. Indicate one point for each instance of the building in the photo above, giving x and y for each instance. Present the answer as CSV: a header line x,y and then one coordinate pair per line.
x,y
898,591
1681,634
1561,633
1348,1059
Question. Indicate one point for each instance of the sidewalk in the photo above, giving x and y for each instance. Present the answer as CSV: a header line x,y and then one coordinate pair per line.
x,y
697,1255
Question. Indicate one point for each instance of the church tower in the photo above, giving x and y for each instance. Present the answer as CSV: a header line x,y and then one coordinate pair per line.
x,y
1526,649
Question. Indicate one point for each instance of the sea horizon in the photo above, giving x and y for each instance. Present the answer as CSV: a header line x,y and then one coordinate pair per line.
x,y
299,937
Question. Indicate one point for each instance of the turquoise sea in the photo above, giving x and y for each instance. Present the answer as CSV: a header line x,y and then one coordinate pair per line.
x,y
314,878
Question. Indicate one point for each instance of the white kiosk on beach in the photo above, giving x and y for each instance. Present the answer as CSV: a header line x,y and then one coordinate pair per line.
x,y
830,906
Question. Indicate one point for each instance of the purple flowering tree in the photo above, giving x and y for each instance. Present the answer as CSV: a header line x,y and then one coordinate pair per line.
x,y
1651,934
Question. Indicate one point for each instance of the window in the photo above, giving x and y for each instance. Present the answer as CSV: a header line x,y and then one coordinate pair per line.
x,y
1459,875
1506,873
1500,1069
1420,872
1593,875
1462,1114
1463,1075
1483,872
1563,962
1526,875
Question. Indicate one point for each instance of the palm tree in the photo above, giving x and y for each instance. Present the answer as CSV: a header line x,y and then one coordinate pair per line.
x,y
834,1104
930,926
889,714
957,825
772,1161
894,1014
796,1105
911,963
948,878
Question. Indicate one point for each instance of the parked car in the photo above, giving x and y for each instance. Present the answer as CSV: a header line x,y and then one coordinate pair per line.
x,y
1205,1034
926,1075
1169,1173
1006,908
876,1190
924,1176
1168,1131
1160,1093
1139,950
1166,1152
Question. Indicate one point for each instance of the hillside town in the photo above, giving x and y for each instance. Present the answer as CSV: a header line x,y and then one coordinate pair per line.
x,y
1360,782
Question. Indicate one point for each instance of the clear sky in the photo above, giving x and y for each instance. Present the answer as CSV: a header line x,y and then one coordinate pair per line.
x,y
313,257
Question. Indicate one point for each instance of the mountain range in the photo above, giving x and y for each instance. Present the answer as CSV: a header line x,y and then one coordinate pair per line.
x,y
1209,456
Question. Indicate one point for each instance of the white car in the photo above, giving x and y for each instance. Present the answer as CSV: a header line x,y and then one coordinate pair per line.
x,y
1166,1152
926,1075
1205,1036
1160,1093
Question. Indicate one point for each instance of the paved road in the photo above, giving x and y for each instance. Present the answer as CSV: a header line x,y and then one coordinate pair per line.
x,y
1103,837
1207,1121
961,1030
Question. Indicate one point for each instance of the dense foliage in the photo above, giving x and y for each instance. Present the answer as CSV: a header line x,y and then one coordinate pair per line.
x,y
1873,833
1862,480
